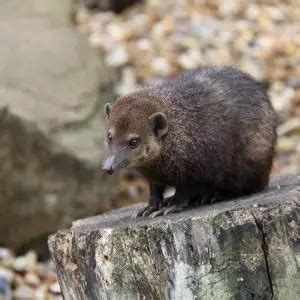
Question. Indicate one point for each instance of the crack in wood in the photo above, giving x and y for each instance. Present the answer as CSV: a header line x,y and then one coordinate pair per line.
x,y
264,247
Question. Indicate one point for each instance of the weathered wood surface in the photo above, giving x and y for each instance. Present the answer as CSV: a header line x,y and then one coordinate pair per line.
x,y
243,249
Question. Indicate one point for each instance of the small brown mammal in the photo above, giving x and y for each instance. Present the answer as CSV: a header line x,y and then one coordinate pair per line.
x,y
210,133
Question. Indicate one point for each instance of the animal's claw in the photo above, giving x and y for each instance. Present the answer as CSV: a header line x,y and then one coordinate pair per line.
x,y
173,209
158,213
146,211
150,209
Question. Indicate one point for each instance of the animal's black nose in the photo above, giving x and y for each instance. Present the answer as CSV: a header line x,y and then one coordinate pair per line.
x,y
108,164
108,169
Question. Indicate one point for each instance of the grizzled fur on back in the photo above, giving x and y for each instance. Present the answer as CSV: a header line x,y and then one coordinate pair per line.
x,y
221,130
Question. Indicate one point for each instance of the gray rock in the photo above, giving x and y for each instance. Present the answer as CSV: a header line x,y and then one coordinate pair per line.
x,y
55,288
26,262
5,254
248,248
54,87
5,284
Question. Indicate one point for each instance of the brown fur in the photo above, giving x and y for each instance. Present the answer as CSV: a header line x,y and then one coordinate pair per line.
x,y
221,132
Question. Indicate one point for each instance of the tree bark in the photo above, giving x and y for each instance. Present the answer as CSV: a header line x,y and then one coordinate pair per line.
x,y
247,248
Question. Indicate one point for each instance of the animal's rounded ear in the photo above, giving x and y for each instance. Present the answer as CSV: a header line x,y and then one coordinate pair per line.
x,y
107,109
159,124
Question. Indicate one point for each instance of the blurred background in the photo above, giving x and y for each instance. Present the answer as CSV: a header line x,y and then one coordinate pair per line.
x,y
61,60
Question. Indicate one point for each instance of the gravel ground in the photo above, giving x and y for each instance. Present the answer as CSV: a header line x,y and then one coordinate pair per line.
x,y
23,277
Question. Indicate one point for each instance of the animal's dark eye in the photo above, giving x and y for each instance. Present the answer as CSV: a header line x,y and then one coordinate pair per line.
x,y
109,138
133,143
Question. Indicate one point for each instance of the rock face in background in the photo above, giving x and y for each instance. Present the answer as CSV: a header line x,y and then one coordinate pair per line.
x,y
49,75
242,249
54,87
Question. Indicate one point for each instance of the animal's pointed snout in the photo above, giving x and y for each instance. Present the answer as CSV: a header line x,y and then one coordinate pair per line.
x,y
108,164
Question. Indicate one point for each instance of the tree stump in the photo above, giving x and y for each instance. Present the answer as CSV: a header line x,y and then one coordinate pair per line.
x,y
248,248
